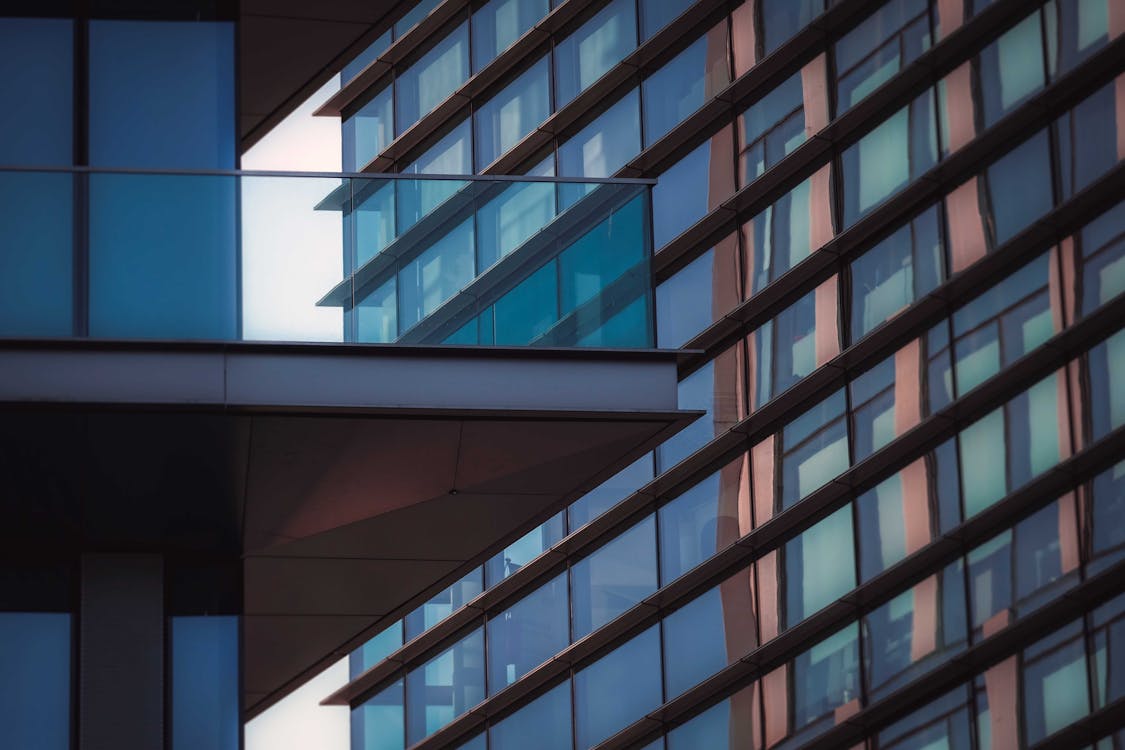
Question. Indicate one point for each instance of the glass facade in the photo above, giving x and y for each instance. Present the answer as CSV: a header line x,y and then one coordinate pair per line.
x,y
893,265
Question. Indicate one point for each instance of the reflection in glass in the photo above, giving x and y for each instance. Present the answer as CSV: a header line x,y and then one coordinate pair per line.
x,y
544,723
824,678
445,687
599,44
618,689
499,23
815,449
375,650
613,578
771,128
379,723
443,604
511,114
527,634
698,294
878,48
35,687
426,82
819,566
684,84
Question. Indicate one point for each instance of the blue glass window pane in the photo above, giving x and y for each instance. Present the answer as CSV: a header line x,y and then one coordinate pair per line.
x,y
376,315
603,146
779,237
604,254
444,603
529,310
506,118
683,85
889,157
1055,683
724,726
480,742
1081,28
1108,524
368,131
698,294
523,550
613,578
380,722
915,631
1019,187
37,88
499,23
1103,258
544,723
432,78
451,155
441,271
35,680
205,669
1107,373
782,19
899,270
819,566
618,689
527,634
696,391
36,254
944,723
691,526
374,218
594,48
713,630
656,14
1087,140
163,256
687,190
873,52
610,492
824,678
771,128
365,58
162,94
411,18
445,687
375,650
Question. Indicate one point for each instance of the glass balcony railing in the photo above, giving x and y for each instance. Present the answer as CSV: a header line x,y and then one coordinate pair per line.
x,y
259,256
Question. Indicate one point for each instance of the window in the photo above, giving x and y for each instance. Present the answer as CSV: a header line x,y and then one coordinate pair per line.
x,y
527,634
368,131
35,685
618,689
784,234
901,269
445,687
613,578
594,48
205,670
656,14
699,294
1011,69
431,78
523,550
1107,544
724,726
789,347
815,449
365,58
438,273
543,723
451,155
782,19
1102,244
506,118
819,566
443,604
713,388
698,523
943,723
690,188
1087,141
1055,688
1106,365
1019,188
824,678
606,144
379,723
413,16
1081,28
375,650
610,492
888,158
37,71
878,48
685,83
499,23
770,129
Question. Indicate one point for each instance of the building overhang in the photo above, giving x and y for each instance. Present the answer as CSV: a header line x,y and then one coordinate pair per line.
x,y
351,482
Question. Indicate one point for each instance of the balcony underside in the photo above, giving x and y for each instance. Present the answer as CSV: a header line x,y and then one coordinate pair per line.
x,y
348,483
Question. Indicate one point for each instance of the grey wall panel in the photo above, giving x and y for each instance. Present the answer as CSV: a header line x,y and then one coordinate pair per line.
x,y
121,669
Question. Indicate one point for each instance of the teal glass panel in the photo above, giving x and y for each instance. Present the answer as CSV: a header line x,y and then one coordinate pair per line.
x,y
411,18
379,723
377,315
374,217
513,217
889,157
431,78
595,47
36,254
602,147
163,256
162,94
875,50
441,271
618,689
444,603
613,579
544,723
1102,242
609,493
602,255
499,23
205,680
1055,685
452,155
699,294
1011,69
815,447
375,650
983,480
696,524
504,120
37,88
523,550
445,687
529,310
819,566
35,680
368,131
528,633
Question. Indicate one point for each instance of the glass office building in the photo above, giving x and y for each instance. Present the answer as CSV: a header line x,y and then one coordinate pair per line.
x,y
885,242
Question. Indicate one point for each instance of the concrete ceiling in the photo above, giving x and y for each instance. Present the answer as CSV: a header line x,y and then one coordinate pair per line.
x,y
290,48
